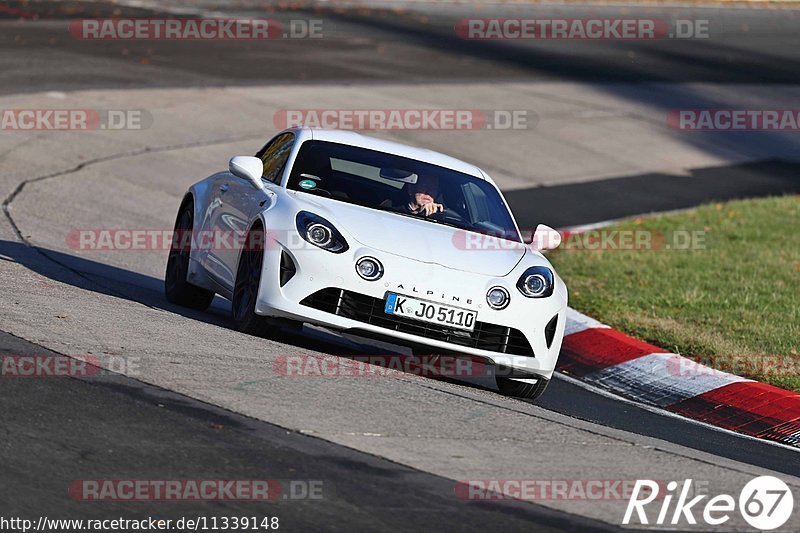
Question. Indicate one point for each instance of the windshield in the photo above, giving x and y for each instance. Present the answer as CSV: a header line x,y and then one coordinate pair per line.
x,y
392,183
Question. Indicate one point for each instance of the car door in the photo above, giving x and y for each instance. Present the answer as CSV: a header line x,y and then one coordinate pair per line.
x,y
238,203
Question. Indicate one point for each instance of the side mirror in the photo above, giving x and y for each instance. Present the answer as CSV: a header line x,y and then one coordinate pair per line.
x,y
249,168
545,238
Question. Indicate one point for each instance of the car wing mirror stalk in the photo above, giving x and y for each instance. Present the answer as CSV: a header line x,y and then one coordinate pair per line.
x,y
249,168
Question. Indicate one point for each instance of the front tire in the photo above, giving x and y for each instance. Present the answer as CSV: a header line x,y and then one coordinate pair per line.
x,y
520,389
245,289
176,288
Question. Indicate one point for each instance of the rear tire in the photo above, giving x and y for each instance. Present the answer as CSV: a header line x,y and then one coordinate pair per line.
x,y
519,389
176,288
245,289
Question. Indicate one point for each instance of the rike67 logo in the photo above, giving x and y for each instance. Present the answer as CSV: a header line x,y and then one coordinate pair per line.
x,y
765,503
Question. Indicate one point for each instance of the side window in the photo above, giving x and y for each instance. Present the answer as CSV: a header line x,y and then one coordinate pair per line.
x,y
274,156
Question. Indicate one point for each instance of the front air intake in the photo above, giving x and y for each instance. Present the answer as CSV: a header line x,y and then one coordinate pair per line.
x,y
550,331
288,268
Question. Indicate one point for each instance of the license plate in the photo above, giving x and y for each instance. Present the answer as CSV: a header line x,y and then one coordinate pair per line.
x,y
453,317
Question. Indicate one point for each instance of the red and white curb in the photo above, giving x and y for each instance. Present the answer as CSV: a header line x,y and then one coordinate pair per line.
x,y
603,357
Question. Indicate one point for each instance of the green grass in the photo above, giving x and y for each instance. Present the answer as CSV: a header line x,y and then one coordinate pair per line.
x,y
736,294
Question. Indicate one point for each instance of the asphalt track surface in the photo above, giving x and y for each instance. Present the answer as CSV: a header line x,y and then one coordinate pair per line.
x,y
74,423
56,431
396,44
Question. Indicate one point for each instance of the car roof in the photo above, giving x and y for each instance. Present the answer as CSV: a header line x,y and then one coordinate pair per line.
x,y
372,143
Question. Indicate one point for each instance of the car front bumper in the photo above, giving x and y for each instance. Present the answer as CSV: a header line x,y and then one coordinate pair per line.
x,y
321,273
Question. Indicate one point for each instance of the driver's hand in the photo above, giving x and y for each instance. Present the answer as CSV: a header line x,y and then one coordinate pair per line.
x,y
430,209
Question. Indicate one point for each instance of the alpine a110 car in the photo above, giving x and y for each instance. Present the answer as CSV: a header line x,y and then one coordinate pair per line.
x,y
377,239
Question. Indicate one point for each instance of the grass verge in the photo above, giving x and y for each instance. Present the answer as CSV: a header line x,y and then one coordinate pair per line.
x,y
720,283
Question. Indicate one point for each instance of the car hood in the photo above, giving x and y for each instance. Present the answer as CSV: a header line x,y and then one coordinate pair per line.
x,y
420,240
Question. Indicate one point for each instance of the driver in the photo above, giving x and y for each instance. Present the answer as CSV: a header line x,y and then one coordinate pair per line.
x,y
422,197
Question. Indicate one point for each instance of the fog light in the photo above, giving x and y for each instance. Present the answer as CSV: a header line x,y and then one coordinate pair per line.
x,y
497,298
369,268
319,234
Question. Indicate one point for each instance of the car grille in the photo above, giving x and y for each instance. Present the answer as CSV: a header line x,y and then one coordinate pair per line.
x,y
369,310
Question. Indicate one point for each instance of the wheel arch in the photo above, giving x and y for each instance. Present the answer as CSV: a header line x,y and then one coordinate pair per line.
x,y
187,197
258,221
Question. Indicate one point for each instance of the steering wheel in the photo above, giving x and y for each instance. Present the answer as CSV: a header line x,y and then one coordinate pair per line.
x,y
448,215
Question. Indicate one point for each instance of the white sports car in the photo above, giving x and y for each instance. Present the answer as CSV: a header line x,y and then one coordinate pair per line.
x,y
378,239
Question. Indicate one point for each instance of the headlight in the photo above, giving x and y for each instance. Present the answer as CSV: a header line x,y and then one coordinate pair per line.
x,y
319,235
369,268
536,282
498,298
319,232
